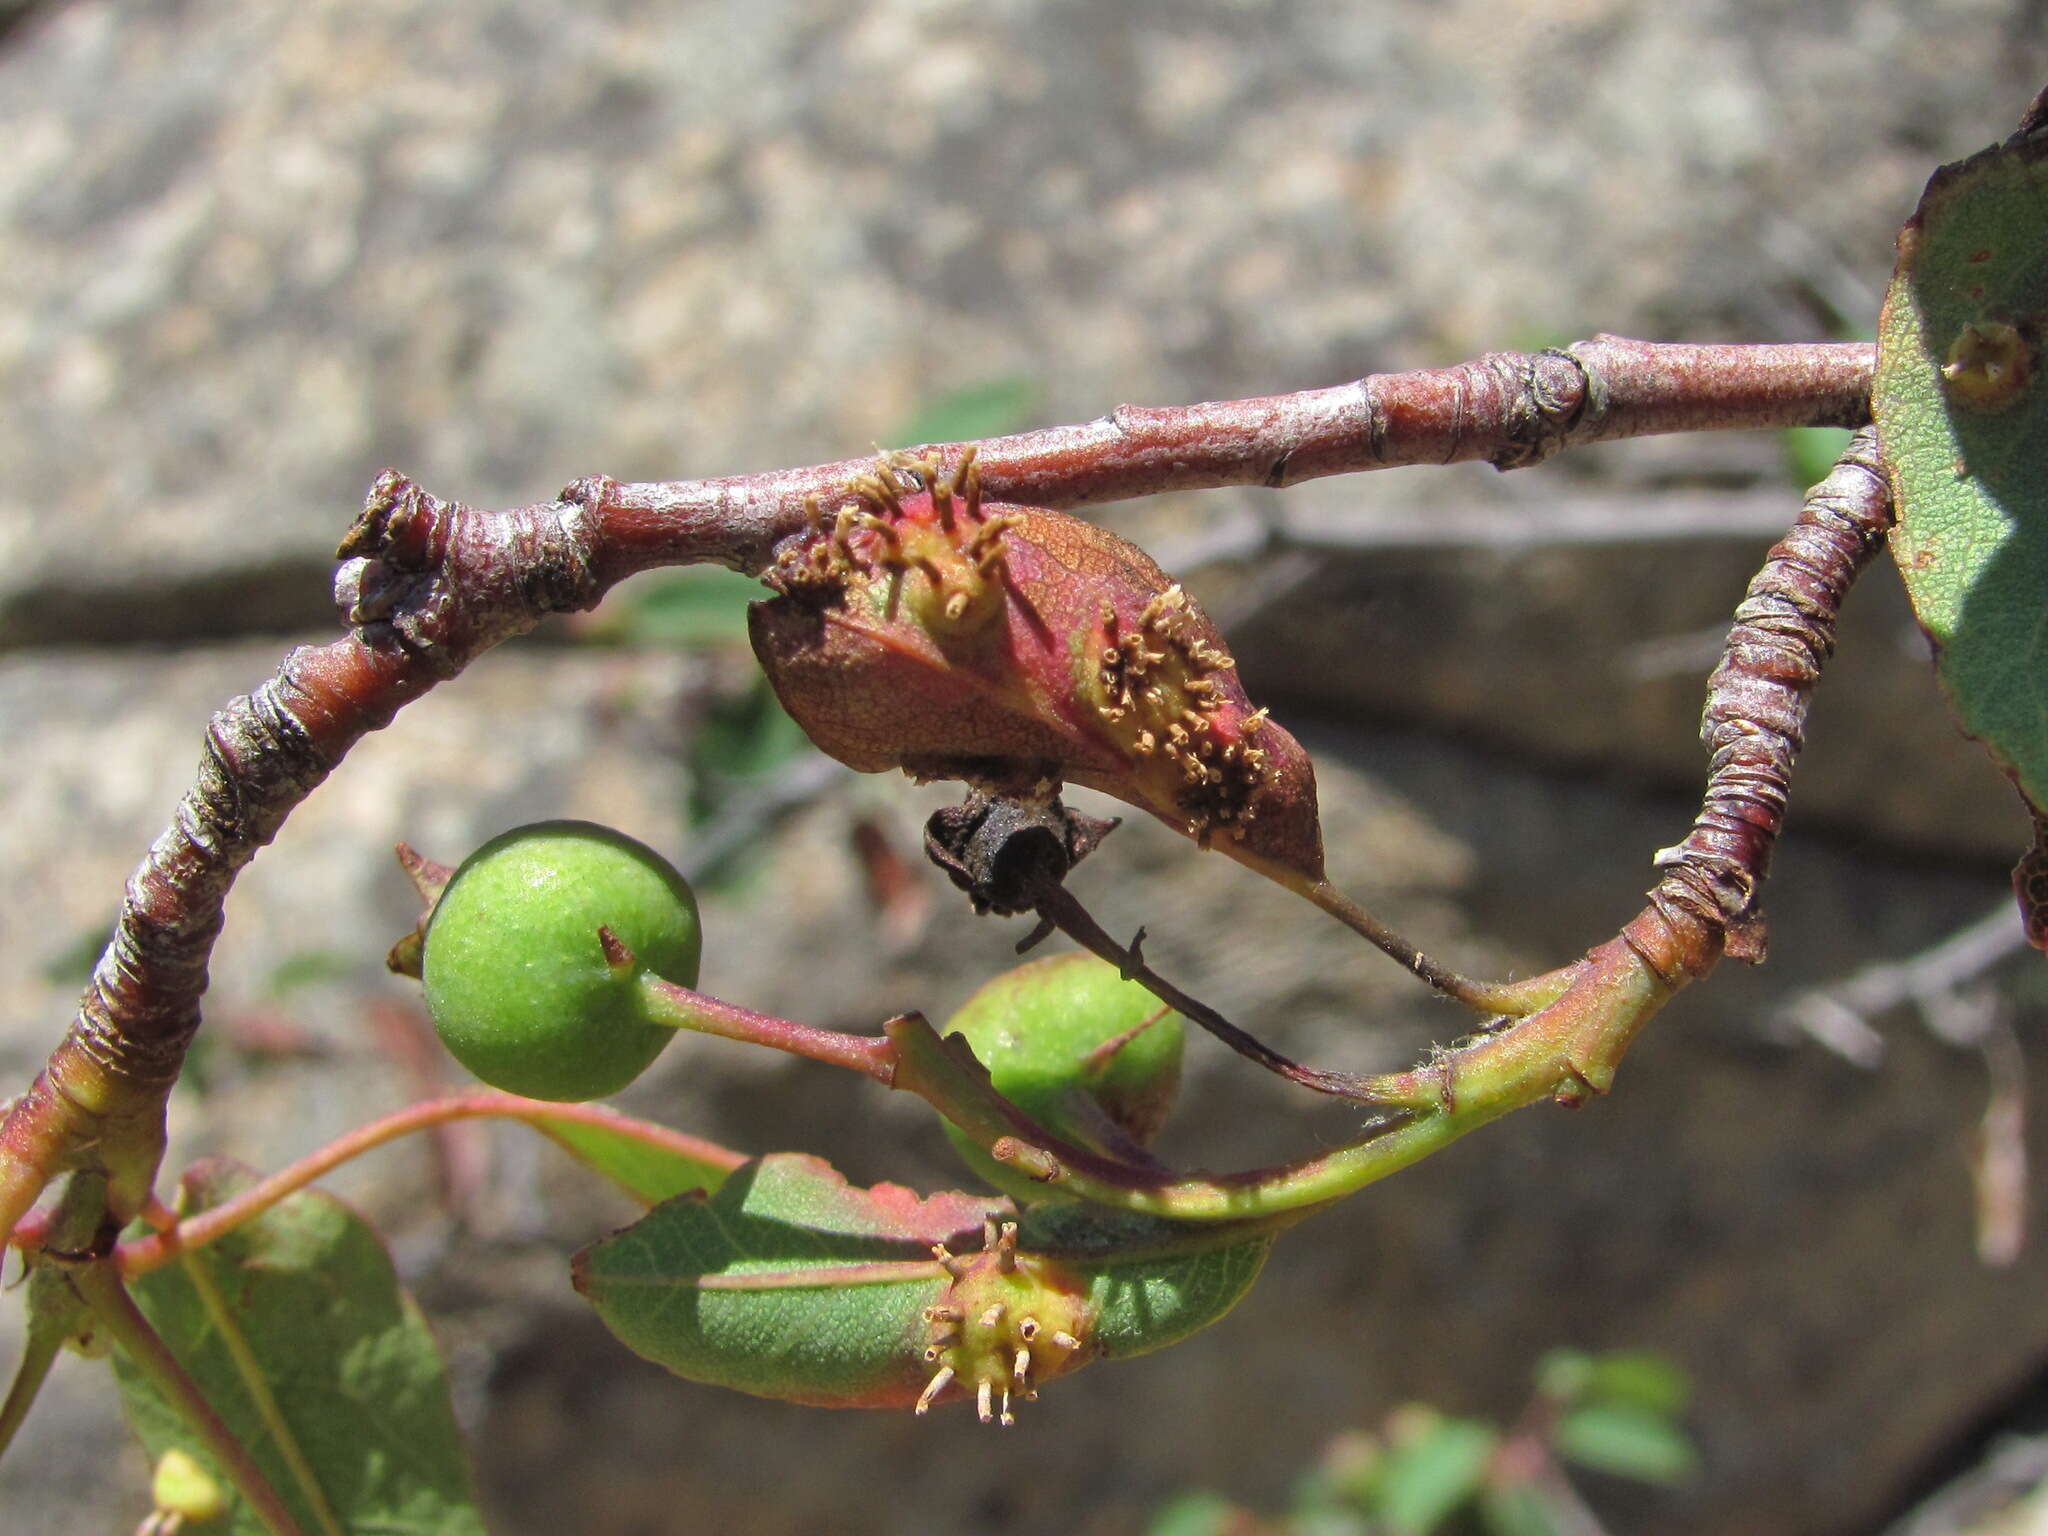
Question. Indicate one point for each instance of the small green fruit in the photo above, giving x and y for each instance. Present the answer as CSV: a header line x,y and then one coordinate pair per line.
x,y
517,979
1085,1053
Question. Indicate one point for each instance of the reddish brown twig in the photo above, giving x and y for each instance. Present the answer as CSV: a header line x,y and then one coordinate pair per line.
x,y
1706,903
430,585
140,1255
448,584
1757,700
1510,409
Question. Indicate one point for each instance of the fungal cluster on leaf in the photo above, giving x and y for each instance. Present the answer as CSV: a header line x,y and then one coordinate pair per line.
x,y
933,528
1006,1322
923,628
1158,691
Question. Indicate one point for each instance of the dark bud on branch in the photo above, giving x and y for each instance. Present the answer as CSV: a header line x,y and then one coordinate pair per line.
x,y
1006,853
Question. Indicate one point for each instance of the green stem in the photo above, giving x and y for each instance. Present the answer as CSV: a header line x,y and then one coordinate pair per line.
x,y
257,1385
680,1008
1060,907
99,1284
84,1114
75,1224
140,1255
1564,1051
38,1354
1514,999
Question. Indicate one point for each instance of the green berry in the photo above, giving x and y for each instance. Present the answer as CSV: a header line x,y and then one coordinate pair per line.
x,y
1067,1040
517,978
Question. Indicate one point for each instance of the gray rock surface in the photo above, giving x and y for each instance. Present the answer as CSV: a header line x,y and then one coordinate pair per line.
x,y
253,252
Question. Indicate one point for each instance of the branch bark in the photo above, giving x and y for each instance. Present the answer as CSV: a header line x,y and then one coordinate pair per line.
x,y
429,585
1510,409
1757,699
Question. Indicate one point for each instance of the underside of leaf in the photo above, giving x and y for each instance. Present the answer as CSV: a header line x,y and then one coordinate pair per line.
x,y
295,1327
1962,414
788,1282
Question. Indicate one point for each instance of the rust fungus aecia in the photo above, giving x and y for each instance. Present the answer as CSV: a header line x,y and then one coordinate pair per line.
x,y
1989,366
998,1304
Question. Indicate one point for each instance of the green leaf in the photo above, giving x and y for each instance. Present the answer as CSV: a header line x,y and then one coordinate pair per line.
x,y
786,1282
1963,426
650,1170
1330,1520
693,609
1563,1374
1151,1282
1332,1498
987,409
71,966
309,968
1639,1379
1810,452
1423,1480
1636,1378
1516,1509
1199,1513
296,1329
790,1283
742,737
1626,1441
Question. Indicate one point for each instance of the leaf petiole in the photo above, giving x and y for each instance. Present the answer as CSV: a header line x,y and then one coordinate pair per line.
x,y
99,1284
140,1255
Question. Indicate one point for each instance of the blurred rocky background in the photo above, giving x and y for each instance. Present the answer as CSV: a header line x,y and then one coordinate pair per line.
x,y
252,252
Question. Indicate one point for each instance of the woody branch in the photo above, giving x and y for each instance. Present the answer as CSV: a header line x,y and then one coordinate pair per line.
x,y
429,585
